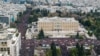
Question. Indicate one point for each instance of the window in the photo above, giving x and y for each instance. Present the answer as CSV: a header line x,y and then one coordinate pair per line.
x,y
1,49
8,49
4,49
4,43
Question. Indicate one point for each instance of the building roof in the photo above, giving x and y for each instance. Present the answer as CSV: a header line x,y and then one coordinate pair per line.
x,y
4,19
3,53
53,19
7,34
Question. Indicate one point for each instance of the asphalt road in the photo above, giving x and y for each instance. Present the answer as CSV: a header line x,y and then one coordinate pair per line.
x,y
64,51
29,45
27,49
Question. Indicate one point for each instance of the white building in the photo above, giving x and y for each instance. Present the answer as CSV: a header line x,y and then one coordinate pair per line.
x,y
11,10
87,9
53,9
4,54
55,27
58,26
10,41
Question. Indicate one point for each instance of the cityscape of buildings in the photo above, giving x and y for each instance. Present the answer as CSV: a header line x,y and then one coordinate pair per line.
x,y
49,27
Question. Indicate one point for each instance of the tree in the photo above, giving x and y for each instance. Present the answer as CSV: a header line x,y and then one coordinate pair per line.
x,y
78,49
58,52
77,45
97,33
25,12
44,12
59,13
37,10
48,52
41,34
91,11
90,33
30,19
20,14
73,52
53,49
82,50
87,23
77,35
12,25
33,18
17,21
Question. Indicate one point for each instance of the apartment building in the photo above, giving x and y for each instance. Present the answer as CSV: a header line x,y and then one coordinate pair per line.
x,y
10,11
10,41
4,53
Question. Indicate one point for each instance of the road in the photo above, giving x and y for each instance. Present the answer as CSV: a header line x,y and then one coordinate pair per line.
x,y
27,49
29,45
64,51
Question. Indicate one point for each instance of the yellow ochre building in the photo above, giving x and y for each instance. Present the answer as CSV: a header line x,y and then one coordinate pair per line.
x,y
56,26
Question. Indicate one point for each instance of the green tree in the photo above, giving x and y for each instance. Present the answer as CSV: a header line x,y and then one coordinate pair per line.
x,y
20,14
53,49
90,33
78,49
87,23
41,34
82,52
73,52
59,13
44,12
33,18
30,19
77,35
58,51
48,52
77,45
17,21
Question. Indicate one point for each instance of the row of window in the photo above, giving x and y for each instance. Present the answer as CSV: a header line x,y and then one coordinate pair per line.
x,y
58,22
3,43
58,26
5,49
